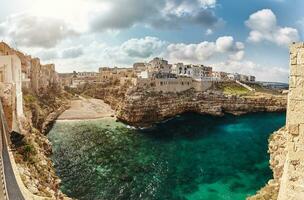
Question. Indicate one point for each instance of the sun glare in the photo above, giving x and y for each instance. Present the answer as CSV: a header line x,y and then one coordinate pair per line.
x,y
74,12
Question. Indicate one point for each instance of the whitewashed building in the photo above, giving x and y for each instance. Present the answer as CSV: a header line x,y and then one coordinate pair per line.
x,y
10,73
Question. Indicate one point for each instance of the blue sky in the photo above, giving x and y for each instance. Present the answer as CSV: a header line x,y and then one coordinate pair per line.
x,y
249,37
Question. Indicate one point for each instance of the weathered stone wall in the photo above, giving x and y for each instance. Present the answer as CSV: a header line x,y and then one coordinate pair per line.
x,y
292,181
286,147
43,76
7,92
35,76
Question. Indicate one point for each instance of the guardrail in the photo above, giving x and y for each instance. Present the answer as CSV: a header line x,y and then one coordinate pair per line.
x,y
12,190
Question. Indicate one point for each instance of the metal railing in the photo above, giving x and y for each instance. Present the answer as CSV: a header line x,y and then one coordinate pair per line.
x,y
11,187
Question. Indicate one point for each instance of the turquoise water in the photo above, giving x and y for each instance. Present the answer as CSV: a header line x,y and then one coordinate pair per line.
x,y
190,157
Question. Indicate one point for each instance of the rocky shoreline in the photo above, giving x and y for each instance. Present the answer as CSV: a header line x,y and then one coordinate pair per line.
x,y
145,109
33,149
277,150
142,108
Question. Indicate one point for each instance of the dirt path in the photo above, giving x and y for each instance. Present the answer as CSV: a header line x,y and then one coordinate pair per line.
x,y
87,109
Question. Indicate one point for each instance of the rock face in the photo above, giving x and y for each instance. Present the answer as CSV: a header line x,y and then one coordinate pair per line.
x,y
142,108
43,101
277,150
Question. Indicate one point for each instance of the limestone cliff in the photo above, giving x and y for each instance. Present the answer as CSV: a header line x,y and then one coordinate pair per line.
x,y
32,148
277,150
143,108
44,100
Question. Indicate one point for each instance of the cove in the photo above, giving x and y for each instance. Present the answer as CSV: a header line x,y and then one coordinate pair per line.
x,y
190,157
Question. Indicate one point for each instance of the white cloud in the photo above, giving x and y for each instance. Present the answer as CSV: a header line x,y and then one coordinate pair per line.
x,y
223,57
264,27
31,31
143,47
209,31
262,73
119,14
207,3
191,52
204,51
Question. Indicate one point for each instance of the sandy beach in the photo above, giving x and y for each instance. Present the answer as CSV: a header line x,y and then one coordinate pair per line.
x,y
85,109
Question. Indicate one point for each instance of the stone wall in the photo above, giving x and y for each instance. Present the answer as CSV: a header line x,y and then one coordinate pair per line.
x,y
292,181
7,95
286,147
35,76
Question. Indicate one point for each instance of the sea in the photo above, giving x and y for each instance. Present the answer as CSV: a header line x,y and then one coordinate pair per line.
x,y
189,157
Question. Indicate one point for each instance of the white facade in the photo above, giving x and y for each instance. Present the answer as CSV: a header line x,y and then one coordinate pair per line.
x,y
197,72
10,73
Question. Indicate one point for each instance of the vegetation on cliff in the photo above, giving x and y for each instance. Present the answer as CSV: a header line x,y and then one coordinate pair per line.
x,y
140,107
32,148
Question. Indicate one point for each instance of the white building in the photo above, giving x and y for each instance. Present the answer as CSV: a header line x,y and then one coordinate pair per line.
x,y
10,73
197,72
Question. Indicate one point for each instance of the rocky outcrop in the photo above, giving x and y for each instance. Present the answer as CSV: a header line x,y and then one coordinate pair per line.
x,y
141,109
44,101
32,153
277,150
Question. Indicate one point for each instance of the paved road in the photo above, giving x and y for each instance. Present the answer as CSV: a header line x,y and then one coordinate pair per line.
x,y
13,191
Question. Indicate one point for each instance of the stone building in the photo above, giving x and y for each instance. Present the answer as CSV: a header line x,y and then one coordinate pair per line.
x,y
139,67
10,74
197,72
35,76
251,78
159,65
220,76
87,74
114,74
43,76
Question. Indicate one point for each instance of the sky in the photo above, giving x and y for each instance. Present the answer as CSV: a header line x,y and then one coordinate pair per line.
x,y
249,37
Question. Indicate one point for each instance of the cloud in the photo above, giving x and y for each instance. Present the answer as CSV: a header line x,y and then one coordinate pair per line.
x,y
209,31
72,52
262,73
264,27
31,31
2,28
224,54
204,51
143,47
47,54
119,14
